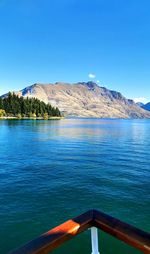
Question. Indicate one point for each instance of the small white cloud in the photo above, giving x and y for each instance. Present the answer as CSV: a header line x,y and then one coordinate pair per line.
x,y
97,81
91,75
140,99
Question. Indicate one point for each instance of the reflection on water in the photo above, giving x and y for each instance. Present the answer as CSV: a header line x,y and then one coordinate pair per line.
x,y
77,128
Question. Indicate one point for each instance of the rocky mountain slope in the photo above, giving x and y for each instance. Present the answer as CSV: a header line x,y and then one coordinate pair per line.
x,y
85,100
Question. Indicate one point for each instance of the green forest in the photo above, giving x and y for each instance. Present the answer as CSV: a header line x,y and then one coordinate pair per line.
x,y
15,106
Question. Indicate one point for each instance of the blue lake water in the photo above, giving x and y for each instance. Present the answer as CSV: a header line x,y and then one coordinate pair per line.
x,y
51,171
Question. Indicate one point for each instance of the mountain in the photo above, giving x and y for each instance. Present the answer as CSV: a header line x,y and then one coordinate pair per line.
x,y
140,104
146,106
85,99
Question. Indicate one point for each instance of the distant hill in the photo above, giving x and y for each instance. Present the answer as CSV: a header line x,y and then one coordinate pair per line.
x,y
146,106
140,104
85,99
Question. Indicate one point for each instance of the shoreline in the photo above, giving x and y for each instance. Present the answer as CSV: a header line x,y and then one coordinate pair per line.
x,y
31,118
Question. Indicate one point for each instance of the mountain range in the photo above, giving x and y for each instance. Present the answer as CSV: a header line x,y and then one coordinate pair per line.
x,y
85,99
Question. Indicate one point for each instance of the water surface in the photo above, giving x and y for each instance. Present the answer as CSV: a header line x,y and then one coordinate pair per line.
x,y
51,171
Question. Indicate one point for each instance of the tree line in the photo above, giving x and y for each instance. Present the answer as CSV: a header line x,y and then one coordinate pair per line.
x,y
13,105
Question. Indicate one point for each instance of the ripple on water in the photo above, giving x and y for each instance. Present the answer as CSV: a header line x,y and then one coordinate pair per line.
x,y
53,170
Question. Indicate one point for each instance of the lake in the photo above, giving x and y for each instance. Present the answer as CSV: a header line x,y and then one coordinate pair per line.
x,y
53,170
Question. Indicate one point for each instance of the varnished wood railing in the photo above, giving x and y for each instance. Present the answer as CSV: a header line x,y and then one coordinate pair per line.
x,y
93,218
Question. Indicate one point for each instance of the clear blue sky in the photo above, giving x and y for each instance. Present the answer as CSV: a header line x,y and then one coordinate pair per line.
x,y
65,40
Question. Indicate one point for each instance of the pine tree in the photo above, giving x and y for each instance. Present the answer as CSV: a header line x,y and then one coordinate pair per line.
x,y
29,107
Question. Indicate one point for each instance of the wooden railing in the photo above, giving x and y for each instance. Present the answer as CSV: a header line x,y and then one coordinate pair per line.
x,y
93,218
